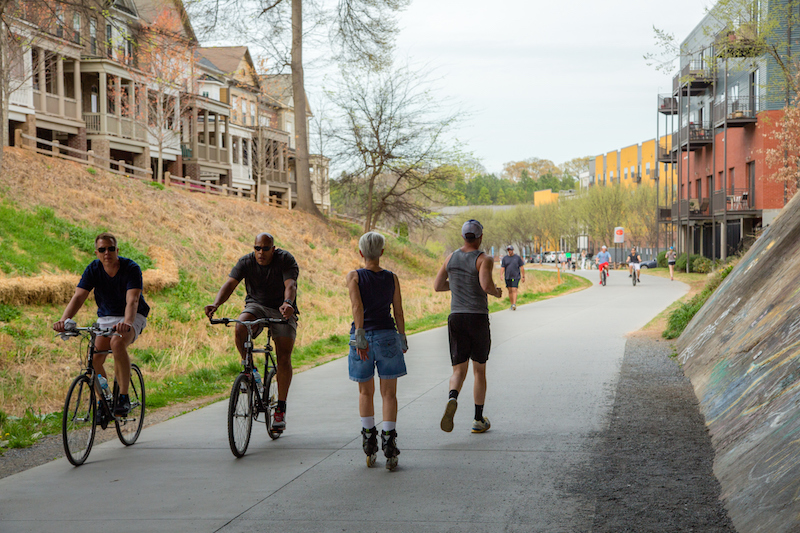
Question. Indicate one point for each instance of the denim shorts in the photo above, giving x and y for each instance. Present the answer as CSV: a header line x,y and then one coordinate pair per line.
x,y
385,352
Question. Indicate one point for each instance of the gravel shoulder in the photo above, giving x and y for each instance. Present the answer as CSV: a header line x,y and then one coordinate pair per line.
x,y
653,464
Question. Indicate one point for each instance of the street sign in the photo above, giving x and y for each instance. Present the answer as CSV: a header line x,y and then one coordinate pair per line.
x,y
619,235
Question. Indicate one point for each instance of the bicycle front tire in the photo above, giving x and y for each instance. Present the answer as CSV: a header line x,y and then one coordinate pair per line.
x,y
603,275
240,414
78,420
129,427
271,402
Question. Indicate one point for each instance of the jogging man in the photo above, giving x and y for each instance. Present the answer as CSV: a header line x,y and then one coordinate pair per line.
x,y
602,260
117,284
270,277
512,268
467,274
634,261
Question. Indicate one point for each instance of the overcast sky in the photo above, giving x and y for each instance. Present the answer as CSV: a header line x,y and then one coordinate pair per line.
x,y
553,80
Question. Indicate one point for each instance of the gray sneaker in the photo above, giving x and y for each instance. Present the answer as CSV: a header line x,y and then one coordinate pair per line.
x,y
481,426
449,413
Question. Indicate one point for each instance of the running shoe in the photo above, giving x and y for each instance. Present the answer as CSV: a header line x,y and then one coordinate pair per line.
x,y
279,421
449,413
123,406
481,426
514,307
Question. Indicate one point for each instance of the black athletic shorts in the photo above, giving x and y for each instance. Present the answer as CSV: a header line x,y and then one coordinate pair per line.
x,y
469,337
512,283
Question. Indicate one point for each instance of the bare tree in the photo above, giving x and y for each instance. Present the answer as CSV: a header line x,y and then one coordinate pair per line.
x,y
390,140
362,31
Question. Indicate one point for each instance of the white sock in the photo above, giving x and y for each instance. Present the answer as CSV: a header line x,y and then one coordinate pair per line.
x,y
367,422
389,426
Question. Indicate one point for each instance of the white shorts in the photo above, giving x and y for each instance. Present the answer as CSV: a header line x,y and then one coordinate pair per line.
x,y
110,321
636,266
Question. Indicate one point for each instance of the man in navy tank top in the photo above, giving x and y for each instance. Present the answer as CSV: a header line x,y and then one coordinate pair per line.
x,y
376,341
467,274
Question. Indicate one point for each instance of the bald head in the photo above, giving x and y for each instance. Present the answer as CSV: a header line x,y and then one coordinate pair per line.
x,y
264,248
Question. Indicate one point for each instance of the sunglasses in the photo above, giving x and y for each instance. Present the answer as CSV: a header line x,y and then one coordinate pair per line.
x,y
259,248
103,249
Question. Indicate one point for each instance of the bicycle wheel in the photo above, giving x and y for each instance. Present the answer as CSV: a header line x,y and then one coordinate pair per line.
x,y
271,401
634,277
240,415
603,276
129,427
78,421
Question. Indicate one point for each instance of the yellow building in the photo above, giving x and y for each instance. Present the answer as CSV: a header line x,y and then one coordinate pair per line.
x,y
546,196
635,165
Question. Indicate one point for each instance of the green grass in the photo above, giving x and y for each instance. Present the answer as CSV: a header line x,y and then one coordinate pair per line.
x,y
683,314
30,241
197,384
21,432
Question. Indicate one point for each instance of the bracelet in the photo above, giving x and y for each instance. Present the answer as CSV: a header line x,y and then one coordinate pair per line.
x,y
287,301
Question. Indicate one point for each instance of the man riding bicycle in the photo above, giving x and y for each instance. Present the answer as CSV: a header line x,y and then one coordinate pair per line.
x,y
270,276
602,260
634,261
117,284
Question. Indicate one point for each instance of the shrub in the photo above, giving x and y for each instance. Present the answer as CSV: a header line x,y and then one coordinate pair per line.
x,y
156,184
680,263
702,265
662,259
91,170
9,313
680,318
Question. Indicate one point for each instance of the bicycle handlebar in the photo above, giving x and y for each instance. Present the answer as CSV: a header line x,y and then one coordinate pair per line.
x,y
71,329
227,321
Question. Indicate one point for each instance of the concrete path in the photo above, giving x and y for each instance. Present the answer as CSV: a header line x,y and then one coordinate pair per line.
x,y
552,374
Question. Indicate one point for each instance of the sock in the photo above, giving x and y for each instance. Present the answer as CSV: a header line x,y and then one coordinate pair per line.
x,y
281,406
389,426
367,422
478,412
453,394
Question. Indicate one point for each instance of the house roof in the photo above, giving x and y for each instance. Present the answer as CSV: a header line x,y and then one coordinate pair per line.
x,y
278,88
149,10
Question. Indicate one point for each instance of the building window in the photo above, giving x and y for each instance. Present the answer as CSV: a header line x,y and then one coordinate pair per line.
x,y
93,36
245,150
731,177
109,41
76,28
60,21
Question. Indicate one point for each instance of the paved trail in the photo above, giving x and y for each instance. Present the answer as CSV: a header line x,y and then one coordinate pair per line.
x,y
552,373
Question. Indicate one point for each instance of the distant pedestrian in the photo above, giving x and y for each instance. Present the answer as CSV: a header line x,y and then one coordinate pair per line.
x,y
671,258
377,340
583,259
512,268
467,274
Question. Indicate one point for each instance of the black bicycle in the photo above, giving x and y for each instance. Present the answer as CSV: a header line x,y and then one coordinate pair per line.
x,y
603,275
248,400
86,406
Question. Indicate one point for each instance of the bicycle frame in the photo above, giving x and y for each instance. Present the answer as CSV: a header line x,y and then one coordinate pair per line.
x,y
248,364
91,333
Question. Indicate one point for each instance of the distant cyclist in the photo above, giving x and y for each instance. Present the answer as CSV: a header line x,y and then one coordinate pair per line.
x,y
270,278
634,261
117,285
603,259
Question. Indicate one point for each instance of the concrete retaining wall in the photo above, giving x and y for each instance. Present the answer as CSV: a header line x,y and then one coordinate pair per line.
x,y
742,354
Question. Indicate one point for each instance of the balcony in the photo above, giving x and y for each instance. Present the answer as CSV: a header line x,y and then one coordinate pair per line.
x,y
664,214
667,104
694,137
186,152
739,112
667,155
736,199
739,41
695,77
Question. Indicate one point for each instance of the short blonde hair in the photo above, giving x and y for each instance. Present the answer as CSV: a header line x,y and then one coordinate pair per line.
x,y
371,245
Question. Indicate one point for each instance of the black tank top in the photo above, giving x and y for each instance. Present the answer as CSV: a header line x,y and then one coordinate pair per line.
x,y
377,294
634,258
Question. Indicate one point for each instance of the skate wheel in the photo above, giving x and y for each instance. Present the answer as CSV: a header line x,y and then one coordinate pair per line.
x,y
371,460
391,463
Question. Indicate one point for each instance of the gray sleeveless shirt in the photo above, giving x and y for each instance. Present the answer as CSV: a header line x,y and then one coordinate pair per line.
x,y
466,293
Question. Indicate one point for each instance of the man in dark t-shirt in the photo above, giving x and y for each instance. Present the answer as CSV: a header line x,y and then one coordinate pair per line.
x,y
512,268
117,285
270,278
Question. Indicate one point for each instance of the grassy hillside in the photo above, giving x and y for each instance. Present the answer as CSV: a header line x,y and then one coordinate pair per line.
x,y
50,211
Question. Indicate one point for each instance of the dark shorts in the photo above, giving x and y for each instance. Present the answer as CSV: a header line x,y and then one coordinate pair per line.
x,y
277,330
671,262
512,283
469,337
